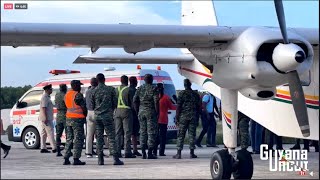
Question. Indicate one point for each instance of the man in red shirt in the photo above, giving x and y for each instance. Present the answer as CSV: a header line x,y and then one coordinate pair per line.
x,y
164,105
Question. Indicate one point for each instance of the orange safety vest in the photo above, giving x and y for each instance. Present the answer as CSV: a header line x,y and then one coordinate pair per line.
x,y
73,110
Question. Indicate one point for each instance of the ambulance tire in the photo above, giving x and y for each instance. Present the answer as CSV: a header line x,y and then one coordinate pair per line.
x,y
31,138
221,165
244,169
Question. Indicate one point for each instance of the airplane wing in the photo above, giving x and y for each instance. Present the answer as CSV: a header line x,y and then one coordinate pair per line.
x,y
116,35
133,38
132,59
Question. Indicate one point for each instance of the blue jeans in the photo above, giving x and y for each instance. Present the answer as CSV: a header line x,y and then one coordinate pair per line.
x,y
209,127
256,135
211,134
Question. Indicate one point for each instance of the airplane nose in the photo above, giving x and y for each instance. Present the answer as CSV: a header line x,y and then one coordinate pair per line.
x,y
299,56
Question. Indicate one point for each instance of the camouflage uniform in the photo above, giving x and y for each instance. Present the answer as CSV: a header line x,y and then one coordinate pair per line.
x,y
61,116
244,130
189,101
104,102
148,96
75,131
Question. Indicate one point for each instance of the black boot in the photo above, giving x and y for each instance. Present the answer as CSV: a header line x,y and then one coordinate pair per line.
x,y
6,150
178,155
144,154
66,161
155,151
150,154
100,159
58,151
76,161
116,161
129,155
137,153
192,155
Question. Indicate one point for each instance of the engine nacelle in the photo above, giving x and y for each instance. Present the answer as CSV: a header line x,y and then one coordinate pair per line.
x,y
258,92
287,57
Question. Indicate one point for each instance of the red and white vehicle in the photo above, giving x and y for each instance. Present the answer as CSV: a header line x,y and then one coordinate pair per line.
x,y
24,114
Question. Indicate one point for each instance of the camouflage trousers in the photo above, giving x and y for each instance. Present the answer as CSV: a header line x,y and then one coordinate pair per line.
x,y
187,122
244,132
60,126
75,137
106,123
148,128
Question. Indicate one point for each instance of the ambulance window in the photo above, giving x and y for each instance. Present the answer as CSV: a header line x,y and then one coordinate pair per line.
x,y
170,91
52,96
31,99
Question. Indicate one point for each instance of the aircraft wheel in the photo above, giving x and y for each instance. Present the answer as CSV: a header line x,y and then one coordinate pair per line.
x,y
244,168
221,165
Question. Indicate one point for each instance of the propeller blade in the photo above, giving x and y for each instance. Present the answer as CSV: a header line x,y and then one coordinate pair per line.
x,y
282,20
298,102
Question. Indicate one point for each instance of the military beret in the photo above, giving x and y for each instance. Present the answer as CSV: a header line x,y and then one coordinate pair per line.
x,y
62,85
49,86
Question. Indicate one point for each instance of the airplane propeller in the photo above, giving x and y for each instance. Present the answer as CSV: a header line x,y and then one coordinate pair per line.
x,y
296,91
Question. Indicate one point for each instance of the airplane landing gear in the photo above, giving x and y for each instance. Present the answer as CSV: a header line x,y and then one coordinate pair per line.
x,y
243,168
223,164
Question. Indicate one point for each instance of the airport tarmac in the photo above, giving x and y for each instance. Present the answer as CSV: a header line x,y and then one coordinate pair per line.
x,y
31,164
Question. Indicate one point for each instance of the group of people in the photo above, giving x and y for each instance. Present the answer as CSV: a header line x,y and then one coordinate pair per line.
x,y
123,111
127,112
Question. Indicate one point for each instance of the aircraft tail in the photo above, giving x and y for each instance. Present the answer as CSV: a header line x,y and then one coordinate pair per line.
x,y
198,13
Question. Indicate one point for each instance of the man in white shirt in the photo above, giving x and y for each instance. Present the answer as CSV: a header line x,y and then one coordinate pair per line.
x,y
46,120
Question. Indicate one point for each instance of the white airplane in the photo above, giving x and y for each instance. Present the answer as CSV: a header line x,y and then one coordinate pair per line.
x,y
270,74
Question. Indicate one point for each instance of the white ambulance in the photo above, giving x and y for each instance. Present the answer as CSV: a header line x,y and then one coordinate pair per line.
x,y
25,126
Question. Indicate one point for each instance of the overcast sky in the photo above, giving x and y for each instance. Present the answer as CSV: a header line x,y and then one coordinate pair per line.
x,y
28,66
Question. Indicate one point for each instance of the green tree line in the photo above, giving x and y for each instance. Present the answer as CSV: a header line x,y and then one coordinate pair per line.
x,y
10,95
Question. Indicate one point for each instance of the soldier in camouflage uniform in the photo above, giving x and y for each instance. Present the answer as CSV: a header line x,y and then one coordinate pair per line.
x,y
75,119
243,126
187,109
146,101
61,116
104,102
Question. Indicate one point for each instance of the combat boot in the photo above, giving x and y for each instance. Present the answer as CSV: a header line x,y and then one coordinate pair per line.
x,y
178,155
144,154
155,151
137,153
58,151
150,154
66,161
192,155
76,161
100,159
117,161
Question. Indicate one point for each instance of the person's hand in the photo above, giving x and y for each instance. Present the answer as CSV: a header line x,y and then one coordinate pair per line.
x,y
46,122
